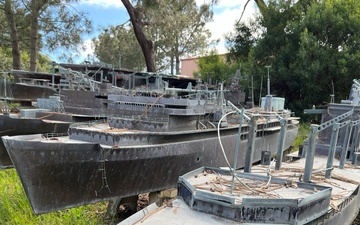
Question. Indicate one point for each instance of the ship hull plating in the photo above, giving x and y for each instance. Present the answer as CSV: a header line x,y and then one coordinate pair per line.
x,y
22,126
59,174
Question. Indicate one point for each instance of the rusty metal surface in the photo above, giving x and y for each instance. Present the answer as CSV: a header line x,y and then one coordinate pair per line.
x,y
59,174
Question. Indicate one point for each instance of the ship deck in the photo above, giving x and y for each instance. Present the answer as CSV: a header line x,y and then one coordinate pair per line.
x,y
105,128
344,184
343,181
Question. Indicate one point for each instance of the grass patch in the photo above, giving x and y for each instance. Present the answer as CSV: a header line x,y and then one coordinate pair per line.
x,y
303,133
15,207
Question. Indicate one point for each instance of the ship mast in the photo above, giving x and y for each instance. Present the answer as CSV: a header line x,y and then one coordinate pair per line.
x,y
268,100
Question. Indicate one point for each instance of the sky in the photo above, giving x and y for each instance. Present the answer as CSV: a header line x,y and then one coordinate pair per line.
x,y
106,13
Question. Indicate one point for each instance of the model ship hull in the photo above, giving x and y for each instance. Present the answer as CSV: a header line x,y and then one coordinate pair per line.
x,y
22,126
54,123
61,173
27,93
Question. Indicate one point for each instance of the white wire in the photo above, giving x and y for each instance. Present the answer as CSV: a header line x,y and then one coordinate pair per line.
x,y
223,151
221,145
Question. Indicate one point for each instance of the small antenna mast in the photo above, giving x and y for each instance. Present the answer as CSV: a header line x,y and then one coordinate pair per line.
x,y
332,99
268,80
260,90
252,91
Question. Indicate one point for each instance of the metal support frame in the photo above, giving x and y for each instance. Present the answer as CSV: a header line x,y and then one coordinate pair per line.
x,y
350,132
309,163
312,143
333,143
281,144
356,145
246,118
355,135
238,141
250,146
251,138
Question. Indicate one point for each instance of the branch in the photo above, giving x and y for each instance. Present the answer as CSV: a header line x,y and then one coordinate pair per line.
x,y
243,11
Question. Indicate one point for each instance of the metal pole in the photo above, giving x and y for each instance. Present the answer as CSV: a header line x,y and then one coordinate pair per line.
x,y
260,91
224,121
356,145
280,149
268,80
353,140
345,145
129,77
238,141
53,74
310,153
250,146
331,154
252,91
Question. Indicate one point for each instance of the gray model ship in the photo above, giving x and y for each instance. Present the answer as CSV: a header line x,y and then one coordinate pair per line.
x,y
160,134
24,88
83,89
322,188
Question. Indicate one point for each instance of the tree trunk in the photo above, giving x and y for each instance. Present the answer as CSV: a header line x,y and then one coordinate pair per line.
x,y
13,35
146,45
178,65
172,65
262,7
177,55
34,25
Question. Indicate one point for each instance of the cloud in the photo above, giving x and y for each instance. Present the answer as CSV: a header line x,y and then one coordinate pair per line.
x,y
103,3
227,13
89,49
228,3
221,3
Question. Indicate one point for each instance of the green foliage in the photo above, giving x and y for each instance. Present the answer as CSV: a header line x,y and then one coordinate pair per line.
x,y
9,107
174,28
303,134
51,25
118,46
15,207
312,47
6,61
62,26
214,68
181,29
240,42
